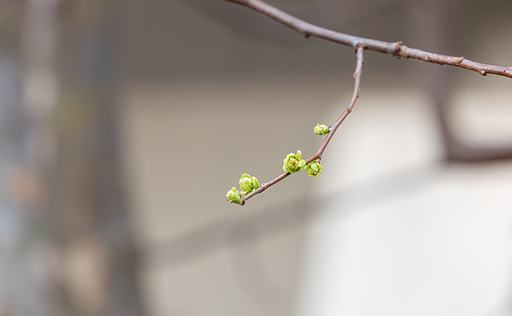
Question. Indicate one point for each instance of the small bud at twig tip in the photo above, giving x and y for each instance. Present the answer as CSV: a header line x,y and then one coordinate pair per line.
x,y
234,196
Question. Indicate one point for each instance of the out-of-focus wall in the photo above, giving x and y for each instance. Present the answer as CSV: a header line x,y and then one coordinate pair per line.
x,y
206,100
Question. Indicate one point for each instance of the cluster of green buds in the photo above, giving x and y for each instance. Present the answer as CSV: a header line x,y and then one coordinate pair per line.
x,y
321,129
247,185
313,168
293,162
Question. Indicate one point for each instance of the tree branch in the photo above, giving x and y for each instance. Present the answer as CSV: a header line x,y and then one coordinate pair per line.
x,y
397,49
332,128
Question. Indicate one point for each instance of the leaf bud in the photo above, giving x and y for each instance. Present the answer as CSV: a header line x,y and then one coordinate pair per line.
x,y
234,196
321,129
313,168
293,162
248,184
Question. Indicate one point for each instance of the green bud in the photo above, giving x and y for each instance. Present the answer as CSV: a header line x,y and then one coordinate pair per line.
x,y
234,196
321,129
293,162
248,184
313,168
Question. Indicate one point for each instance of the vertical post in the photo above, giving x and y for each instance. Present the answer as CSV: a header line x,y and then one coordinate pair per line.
x,y
92,210
66,247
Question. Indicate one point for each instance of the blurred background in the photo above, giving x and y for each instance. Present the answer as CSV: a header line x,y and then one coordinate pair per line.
x,y
124,123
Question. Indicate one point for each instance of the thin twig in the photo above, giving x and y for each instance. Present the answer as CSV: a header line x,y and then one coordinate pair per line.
x,y
355,95
332,129
397,49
